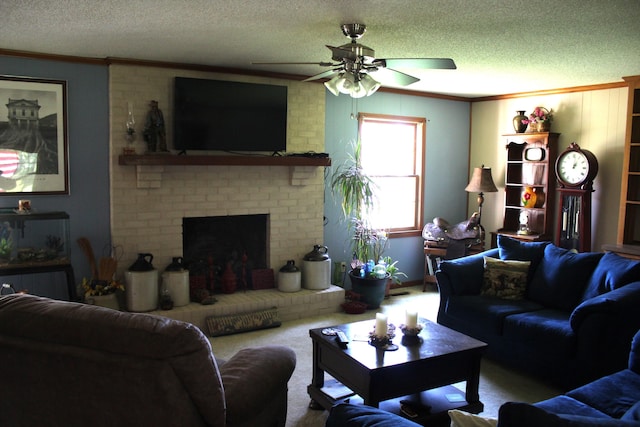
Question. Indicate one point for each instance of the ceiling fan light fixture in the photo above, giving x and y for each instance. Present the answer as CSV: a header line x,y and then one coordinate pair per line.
x,y
369,84
332,85
347,83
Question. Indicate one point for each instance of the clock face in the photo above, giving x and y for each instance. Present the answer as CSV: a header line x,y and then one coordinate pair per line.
x,y
573,167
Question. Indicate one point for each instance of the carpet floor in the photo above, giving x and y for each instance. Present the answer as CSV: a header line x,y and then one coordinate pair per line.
x,y
497,384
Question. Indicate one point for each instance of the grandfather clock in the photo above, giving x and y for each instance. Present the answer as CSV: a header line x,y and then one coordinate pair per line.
x,y
575,171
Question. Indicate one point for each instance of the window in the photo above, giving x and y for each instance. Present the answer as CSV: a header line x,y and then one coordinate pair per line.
x,y
392,155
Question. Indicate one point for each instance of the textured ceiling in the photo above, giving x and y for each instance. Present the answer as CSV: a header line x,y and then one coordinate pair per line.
x,y
500,47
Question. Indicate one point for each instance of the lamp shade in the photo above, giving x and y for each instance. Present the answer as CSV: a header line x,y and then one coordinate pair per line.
x,y
481,181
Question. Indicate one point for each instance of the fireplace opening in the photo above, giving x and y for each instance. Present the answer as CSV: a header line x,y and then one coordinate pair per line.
x,y
216,247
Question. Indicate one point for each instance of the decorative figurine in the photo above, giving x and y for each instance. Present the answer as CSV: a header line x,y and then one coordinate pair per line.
x,y
154,131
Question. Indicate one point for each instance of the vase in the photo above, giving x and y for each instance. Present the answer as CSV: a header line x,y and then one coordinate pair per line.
x,y
371,290
529,197
229,280
518,126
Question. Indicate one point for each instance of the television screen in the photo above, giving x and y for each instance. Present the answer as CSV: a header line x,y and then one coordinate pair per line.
x,y
229,116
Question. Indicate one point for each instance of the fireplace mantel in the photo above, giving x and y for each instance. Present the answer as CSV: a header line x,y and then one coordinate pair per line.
x,y
226,160
150,167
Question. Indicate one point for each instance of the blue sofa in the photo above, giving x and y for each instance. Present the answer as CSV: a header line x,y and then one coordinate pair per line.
x,y
613,400
565,317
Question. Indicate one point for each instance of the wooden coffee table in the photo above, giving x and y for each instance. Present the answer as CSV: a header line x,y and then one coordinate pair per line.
x,y
419,375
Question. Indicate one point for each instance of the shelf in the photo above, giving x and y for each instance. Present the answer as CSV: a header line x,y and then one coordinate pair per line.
x,y
226,160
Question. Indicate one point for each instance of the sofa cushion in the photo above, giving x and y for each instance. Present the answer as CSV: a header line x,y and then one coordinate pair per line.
x,y
560,279
612,272
513,249
517,414
487,313
633,414
344,414
504,279
613,395
567,405
541,335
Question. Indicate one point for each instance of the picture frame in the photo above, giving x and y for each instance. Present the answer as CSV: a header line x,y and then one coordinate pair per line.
x,y
33,136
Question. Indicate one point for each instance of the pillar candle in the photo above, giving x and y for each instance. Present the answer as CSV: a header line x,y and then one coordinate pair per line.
x,y
412,319
381,325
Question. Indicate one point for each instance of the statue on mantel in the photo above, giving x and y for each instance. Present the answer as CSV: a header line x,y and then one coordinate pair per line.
x,y
154,131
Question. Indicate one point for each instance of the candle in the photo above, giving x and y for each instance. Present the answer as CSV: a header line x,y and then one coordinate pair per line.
x,y
412,319
381,325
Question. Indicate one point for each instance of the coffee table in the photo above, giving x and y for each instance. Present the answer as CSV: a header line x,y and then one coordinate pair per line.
x,y
419,374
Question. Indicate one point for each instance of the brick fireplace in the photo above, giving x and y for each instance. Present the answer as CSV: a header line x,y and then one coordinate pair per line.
x,y
148,203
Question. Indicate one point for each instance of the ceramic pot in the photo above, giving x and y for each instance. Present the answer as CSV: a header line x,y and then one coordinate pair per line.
x,y
371,290
518,126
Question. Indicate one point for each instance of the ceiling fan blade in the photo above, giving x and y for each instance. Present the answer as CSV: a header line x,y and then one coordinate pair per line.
x,y
328,73
426,63
322,63
389,76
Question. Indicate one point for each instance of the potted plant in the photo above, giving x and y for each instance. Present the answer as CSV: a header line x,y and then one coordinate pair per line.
x,y
539,120
394,274
102,293
367,243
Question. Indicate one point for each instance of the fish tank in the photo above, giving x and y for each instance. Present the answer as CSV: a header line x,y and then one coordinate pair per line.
x,y
33,239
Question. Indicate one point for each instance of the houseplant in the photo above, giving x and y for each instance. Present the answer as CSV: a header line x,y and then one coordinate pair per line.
x,y
539,120
368,243
102,293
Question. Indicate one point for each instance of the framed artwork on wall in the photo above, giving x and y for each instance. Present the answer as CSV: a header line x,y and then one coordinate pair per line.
x,y
33,136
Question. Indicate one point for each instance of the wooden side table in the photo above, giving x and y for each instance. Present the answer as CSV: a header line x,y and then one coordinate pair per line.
x,y
434,252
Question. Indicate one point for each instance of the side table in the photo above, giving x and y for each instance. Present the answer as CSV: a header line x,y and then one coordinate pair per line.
x,y
434,252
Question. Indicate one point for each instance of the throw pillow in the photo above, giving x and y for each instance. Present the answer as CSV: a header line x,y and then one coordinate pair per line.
x,y
465,419
561,277
613,271
505,279
513,249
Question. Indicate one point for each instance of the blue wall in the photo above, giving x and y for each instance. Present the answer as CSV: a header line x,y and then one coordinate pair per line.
x,y
446,166
88,137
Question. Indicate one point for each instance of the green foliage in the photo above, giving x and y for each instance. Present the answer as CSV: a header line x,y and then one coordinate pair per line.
x,y
393,271
354,186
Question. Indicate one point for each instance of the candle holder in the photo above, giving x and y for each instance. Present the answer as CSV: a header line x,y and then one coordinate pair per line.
x,y
410,332
383,342
411,335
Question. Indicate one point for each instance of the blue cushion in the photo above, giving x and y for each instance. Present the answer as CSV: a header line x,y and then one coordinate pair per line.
x,y
486,313
344,414
613,395
633,414
560,279
513,249
612,272
634,354
517,414
569,406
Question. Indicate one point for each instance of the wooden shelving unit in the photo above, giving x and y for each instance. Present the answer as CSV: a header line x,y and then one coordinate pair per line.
x,y
524,170
224,160
629,213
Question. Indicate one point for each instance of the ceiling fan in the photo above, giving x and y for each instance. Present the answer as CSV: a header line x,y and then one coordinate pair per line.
x,y
353,63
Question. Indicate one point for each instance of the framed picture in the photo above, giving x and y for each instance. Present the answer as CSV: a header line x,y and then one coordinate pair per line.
x,y
33,136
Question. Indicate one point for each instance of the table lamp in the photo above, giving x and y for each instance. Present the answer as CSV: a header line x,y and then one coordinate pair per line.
x,y
481,182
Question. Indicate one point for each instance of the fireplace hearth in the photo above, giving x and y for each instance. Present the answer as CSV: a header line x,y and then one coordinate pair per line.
x,y
225,253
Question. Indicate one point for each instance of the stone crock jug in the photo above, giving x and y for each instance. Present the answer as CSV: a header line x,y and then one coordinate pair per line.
x,y
289,277
142,285
175,279
316,268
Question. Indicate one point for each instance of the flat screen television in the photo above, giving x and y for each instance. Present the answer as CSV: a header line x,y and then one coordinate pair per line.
x,y
229,116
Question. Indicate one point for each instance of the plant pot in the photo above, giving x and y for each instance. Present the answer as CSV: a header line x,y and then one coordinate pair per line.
x,y
371,290
109,301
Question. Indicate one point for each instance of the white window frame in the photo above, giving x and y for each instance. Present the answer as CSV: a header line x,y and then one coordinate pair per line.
x,y
388,205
